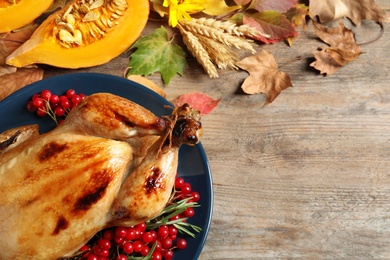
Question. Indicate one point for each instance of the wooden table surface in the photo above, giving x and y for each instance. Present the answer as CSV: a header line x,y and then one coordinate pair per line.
x,y
306,176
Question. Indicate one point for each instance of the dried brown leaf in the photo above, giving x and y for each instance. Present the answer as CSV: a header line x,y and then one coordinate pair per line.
x,y
325,63
12,40
342,57
12,82
340,36
356,11
6,69
265,76
343,48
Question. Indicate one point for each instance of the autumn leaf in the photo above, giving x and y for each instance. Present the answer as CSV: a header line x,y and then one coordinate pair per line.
x,y
356,11
265,76
297,15
271,23
156,52
342,50
9,83
6,69
272,5
12,40
199,101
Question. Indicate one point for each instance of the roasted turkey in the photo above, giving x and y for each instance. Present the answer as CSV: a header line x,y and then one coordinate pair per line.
x,y
111,162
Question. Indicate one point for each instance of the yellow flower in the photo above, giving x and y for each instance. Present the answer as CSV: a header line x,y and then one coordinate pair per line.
x,y
181,9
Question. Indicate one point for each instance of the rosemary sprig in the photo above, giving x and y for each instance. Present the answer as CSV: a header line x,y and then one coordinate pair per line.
x,y
172,210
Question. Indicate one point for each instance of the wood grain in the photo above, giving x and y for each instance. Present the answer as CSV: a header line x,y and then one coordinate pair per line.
x,y
306,177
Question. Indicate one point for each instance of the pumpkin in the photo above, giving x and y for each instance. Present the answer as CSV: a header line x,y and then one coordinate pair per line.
x,y
84,34
15,14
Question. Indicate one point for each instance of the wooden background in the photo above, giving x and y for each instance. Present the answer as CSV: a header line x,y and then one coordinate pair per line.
x,y
306,177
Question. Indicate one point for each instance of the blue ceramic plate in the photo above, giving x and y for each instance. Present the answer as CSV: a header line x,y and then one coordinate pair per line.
x,y
193,163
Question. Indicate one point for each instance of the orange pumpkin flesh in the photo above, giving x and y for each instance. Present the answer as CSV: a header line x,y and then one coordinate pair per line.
x,y
44,46
23,12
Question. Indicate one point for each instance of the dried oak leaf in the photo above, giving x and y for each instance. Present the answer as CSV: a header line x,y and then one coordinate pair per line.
x,y
9,83
265,76
199,101
343,48
356,11
12,40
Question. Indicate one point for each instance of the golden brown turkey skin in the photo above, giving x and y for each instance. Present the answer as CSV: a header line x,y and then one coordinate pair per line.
x,y
95,170
58,188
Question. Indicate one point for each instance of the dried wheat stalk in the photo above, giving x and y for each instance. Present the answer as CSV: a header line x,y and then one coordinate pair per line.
x,y
217,34
220,54
199,52
229,27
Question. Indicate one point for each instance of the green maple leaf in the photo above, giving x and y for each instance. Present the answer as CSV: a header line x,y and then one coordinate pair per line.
x,y
156,52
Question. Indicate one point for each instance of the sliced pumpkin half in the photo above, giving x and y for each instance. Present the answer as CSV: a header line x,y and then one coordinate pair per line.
x,y
84,34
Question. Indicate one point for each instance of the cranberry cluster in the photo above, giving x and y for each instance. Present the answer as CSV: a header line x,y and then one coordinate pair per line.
x,y
118,243
57,107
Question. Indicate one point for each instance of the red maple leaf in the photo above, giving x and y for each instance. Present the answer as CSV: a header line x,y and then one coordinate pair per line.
x,y
271,23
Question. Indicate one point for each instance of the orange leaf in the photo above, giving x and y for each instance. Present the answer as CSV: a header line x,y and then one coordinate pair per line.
x,y
198,101
9,83
265,76
343,48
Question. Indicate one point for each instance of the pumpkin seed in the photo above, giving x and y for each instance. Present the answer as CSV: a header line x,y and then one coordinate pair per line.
x,y
66,26
120,3
91,31
70,19
78,37
70,8
91,16
96,4
101,25
84,8
115,16
65,36
58,19
109,23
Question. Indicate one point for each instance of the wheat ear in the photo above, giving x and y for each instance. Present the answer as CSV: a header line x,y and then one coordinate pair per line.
x,y
217,34
229,27
220,54
198,51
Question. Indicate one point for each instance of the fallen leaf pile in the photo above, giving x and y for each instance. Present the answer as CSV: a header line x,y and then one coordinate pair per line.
x,y
342,48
